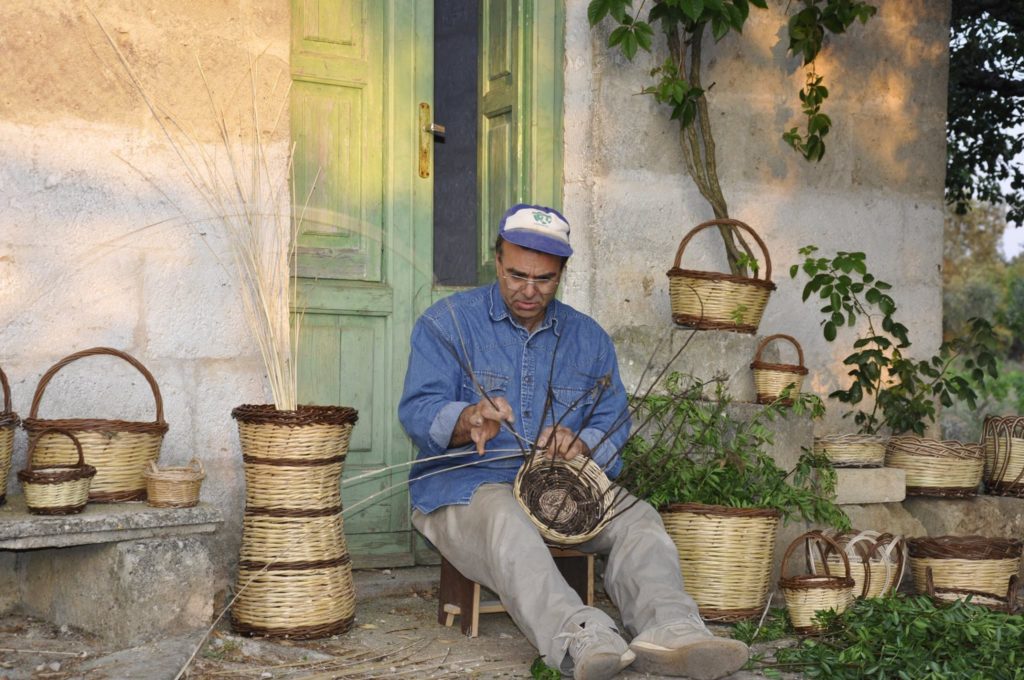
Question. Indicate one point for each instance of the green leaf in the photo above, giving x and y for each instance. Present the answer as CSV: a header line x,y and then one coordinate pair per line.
x,y
618,35
630,45
692,8
719,27
596,10
830,331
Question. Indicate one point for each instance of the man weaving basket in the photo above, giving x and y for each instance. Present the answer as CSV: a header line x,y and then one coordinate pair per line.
x,y
481,366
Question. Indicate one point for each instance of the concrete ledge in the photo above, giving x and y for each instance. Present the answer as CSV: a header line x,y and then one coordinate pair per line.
x,y
100,523
858,486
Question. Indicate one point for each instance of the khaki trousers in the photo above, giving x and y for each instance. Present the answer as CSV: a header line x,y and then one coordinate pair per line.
x,y
493,542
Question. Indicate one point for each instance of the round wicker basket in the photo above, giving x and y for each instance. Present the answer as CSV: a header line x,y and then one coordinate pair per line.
x,y
725,555
852,450
877,560
56,489
8,422
1003,445
952,567
807,594
936,468
569,501
771,380
717,301
174,487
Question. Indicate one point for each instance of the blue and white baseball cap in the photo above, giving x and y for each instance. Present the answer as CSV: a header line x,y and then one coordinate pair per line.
x,y
537,228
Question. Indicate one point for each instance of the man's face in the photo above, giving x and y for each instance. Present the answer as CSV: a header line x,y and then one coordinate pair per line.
x,y
528,281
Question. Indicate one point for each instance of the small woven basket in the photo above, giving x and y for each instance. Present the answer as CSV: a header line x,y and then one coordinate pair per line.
x,y
952,567
119,450
569,501
725,555
174,487
771,380
807,594
852,450
56,489
717,301
1003,445
949,469
8,422
877,561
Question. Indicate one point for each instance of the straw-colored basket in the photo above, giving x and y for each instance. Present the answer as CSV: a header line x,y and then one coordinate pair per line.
x,y
174,487
936,468
952,567
852,450
714,300
55,489
807,594
569,502
119,450
8,422
725,555
294,572
877,560
1003,445
771,380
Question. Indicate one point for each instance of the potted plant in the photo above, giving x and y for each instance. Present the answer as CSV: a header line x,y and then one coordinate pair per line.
x,y
719,492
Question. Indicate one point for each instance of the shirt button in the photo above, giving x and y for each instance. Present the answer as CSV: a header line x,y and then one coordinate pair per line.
x,y
526,414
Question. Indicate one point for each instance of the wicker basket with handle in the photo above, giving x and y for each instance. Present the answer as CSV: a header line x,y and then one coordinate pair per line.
x,y
119,450
807,594
55,489
714,300
936,468
877,560
770,379
8,422
952,567
174,487
1003,445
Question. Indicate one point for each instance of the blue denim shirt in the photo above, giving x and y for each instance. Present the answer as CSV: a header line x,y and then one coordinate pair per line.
x,y
474,328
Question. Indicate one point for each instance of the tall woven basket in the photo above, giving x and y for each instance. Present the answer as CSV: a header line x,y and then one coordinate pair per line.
x,y
877,560
953,567
120,450
294,572
936,468
714,300
808,594
770,379
1003,446
725,555
8,422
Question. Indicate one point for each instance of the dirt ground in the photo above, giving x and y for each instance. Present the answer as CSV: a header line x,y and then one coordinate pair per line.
x,y
396,635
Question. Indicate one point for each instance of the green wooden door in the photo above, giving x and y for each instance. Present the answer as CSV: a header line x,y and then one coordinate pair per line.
x,y
361,95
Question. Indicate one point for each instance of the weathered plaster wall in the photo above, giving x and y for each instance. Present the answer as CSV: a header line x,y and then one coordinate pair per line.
x,y
92,248
878,189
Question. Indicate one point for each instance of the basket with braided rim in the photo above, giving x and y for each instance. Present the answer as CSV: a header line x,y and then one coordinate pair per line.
x,y
807,594
8,422
55,489
936,468
877,560
715,300
957,566
852,450
771,379
1003,445
174,487
725,555
569,501
119,450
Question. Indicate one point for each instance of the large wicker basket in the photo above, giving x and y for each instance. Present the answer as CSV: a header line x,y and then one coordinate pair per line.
x,y
771,380
718,301
808,594
936,468
119,450
852,450
569,502
55,489
294,572
8,422
877,560
725,555
952,567
1003,445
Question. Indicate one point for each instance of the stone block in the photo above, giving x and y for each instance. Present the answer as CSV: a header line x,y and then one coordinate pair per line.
x,y
992,516
870,485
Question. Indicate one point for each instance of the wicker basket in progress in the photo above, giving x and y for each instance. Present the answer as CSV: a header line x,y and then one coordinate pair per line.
x,y
714,300
771,380
852,450
56,489
936,468
877,561
1003,445
725,555
569,502
119,450
8,422
174,487
807,594
294,572
952,567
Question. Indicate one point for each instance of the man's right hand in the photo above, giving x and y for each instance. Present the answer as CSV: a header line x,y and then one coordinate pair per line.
x,y
481,422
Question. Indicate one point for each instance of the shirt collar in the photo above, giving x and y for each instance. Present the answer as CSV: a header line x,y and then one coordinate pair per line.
x,y
499,311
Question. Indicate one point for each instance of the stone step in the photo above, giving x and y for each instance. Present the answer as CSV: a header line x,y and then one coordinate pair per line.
x,y
857,486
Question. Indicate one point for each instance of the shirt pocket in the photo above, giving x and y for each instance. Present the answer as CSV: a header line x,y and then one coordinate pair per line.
x,y
492,383
572,405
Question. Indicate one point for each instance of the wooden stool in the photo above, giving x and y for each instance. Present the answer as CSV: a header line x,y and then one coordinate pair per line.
x,y
458,596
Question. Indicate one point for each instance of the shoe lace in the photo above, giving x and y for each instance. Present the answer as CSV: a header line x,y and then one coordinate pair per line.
x,y
577,641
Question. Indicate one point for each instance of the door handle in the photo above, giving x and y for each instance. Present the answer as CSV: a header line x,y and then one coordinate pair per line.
x,y
428,131
436,129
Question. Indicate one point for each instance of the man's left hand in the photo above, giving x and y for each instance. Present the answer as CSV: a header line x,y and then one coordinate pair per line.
x,y
562,442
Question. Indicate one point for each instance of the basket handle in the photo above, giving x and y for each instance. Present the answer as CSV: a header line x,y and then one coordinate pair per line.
x,y
197,465
1004,427
780,336
816,536
33,440
730,222
7,391
45,380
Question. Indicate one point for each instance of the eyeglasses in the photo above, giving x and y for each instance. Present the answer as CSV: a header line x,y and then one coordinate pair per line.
x,y
516,282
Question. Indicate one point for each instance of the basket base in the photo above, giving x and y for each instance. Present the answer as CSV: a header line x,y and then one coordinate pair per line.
x,y
942,491
770,399
729,615
172,504
994,489
117,496
298,633
57,510
704,324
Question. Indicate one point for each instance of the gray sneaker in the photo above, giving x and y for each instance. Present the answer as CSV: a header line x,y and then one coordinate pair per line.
x,y
595,652
679,650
